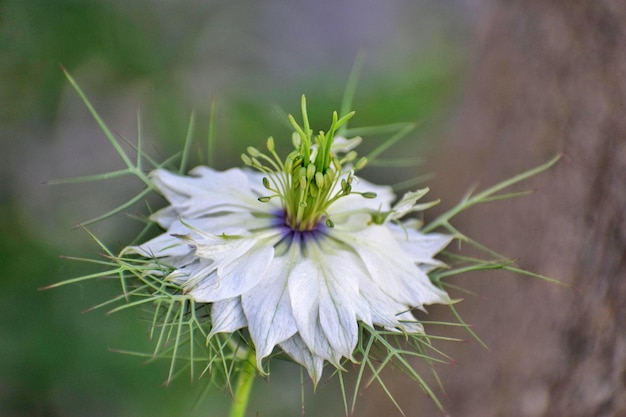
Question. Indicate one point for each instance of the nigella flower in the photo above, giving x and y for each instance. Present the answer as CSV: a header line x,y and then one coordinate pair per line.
x,y
297,250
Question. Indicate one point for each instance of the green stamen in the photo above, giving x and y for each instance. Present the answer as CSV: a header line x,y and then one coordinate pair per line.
x,y
305,181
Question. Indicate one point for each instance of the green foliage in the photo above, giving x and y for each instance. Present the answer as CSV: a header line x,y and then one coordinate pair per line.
x,y
39,35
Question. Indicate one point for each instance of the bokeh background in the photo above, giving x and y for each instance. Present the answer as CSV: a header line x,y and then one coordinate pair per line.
x,y
496,86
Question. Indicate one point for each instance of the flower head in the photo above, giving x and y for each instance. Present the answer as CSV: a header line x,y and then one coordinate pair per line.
x,y
298,250
293,255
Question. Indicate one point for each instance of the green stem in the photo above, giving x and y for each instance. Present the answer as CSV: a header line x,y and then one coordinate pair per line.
x,y
244,386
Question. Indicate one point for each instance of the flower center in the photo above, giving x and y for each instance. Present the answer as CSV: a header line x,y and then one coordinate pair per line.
x,y
312,176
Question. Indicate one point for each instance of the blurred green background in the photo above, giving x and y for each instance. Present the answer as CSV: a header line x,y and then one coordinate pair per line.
x,y
163,59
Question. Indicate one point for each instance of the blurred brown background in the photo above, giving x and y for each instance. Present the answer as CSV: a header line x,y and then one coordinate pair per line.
x,y
500,86
545,77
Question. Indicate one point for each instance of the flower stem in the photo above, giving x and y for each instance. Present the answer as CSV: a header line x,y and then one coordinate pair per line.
x,y
244,386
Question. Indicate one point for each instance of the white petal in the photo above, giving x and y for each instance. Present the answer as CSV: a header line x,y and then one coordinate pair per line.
x,y
165,217
233,276
338,321
343,145
268,308
299,352
222,249
161,246
227,316
419,246
206,191
339,302
383,307
304,292
407,204
409,324
331,276
393,269
226,224
202,231
164,244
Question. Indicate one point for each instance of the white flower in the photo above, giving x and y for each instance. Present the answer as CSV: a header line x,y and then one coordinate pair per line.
x,y
302,266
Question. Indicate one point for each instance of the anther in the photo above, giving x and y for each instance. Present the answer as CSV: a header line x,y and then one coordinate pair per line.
x,y
296,140
270,144
254,152
350,156
319,179
310,172
257,164
246,159
360,164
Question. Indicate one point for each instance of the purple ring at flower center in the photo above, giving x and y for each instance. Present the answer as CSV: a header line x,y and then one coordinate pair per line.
x,y
294,235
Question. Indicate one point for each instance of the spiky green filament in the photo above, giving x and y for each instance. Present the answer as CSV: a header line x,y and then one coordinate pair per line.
x,y
307,185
